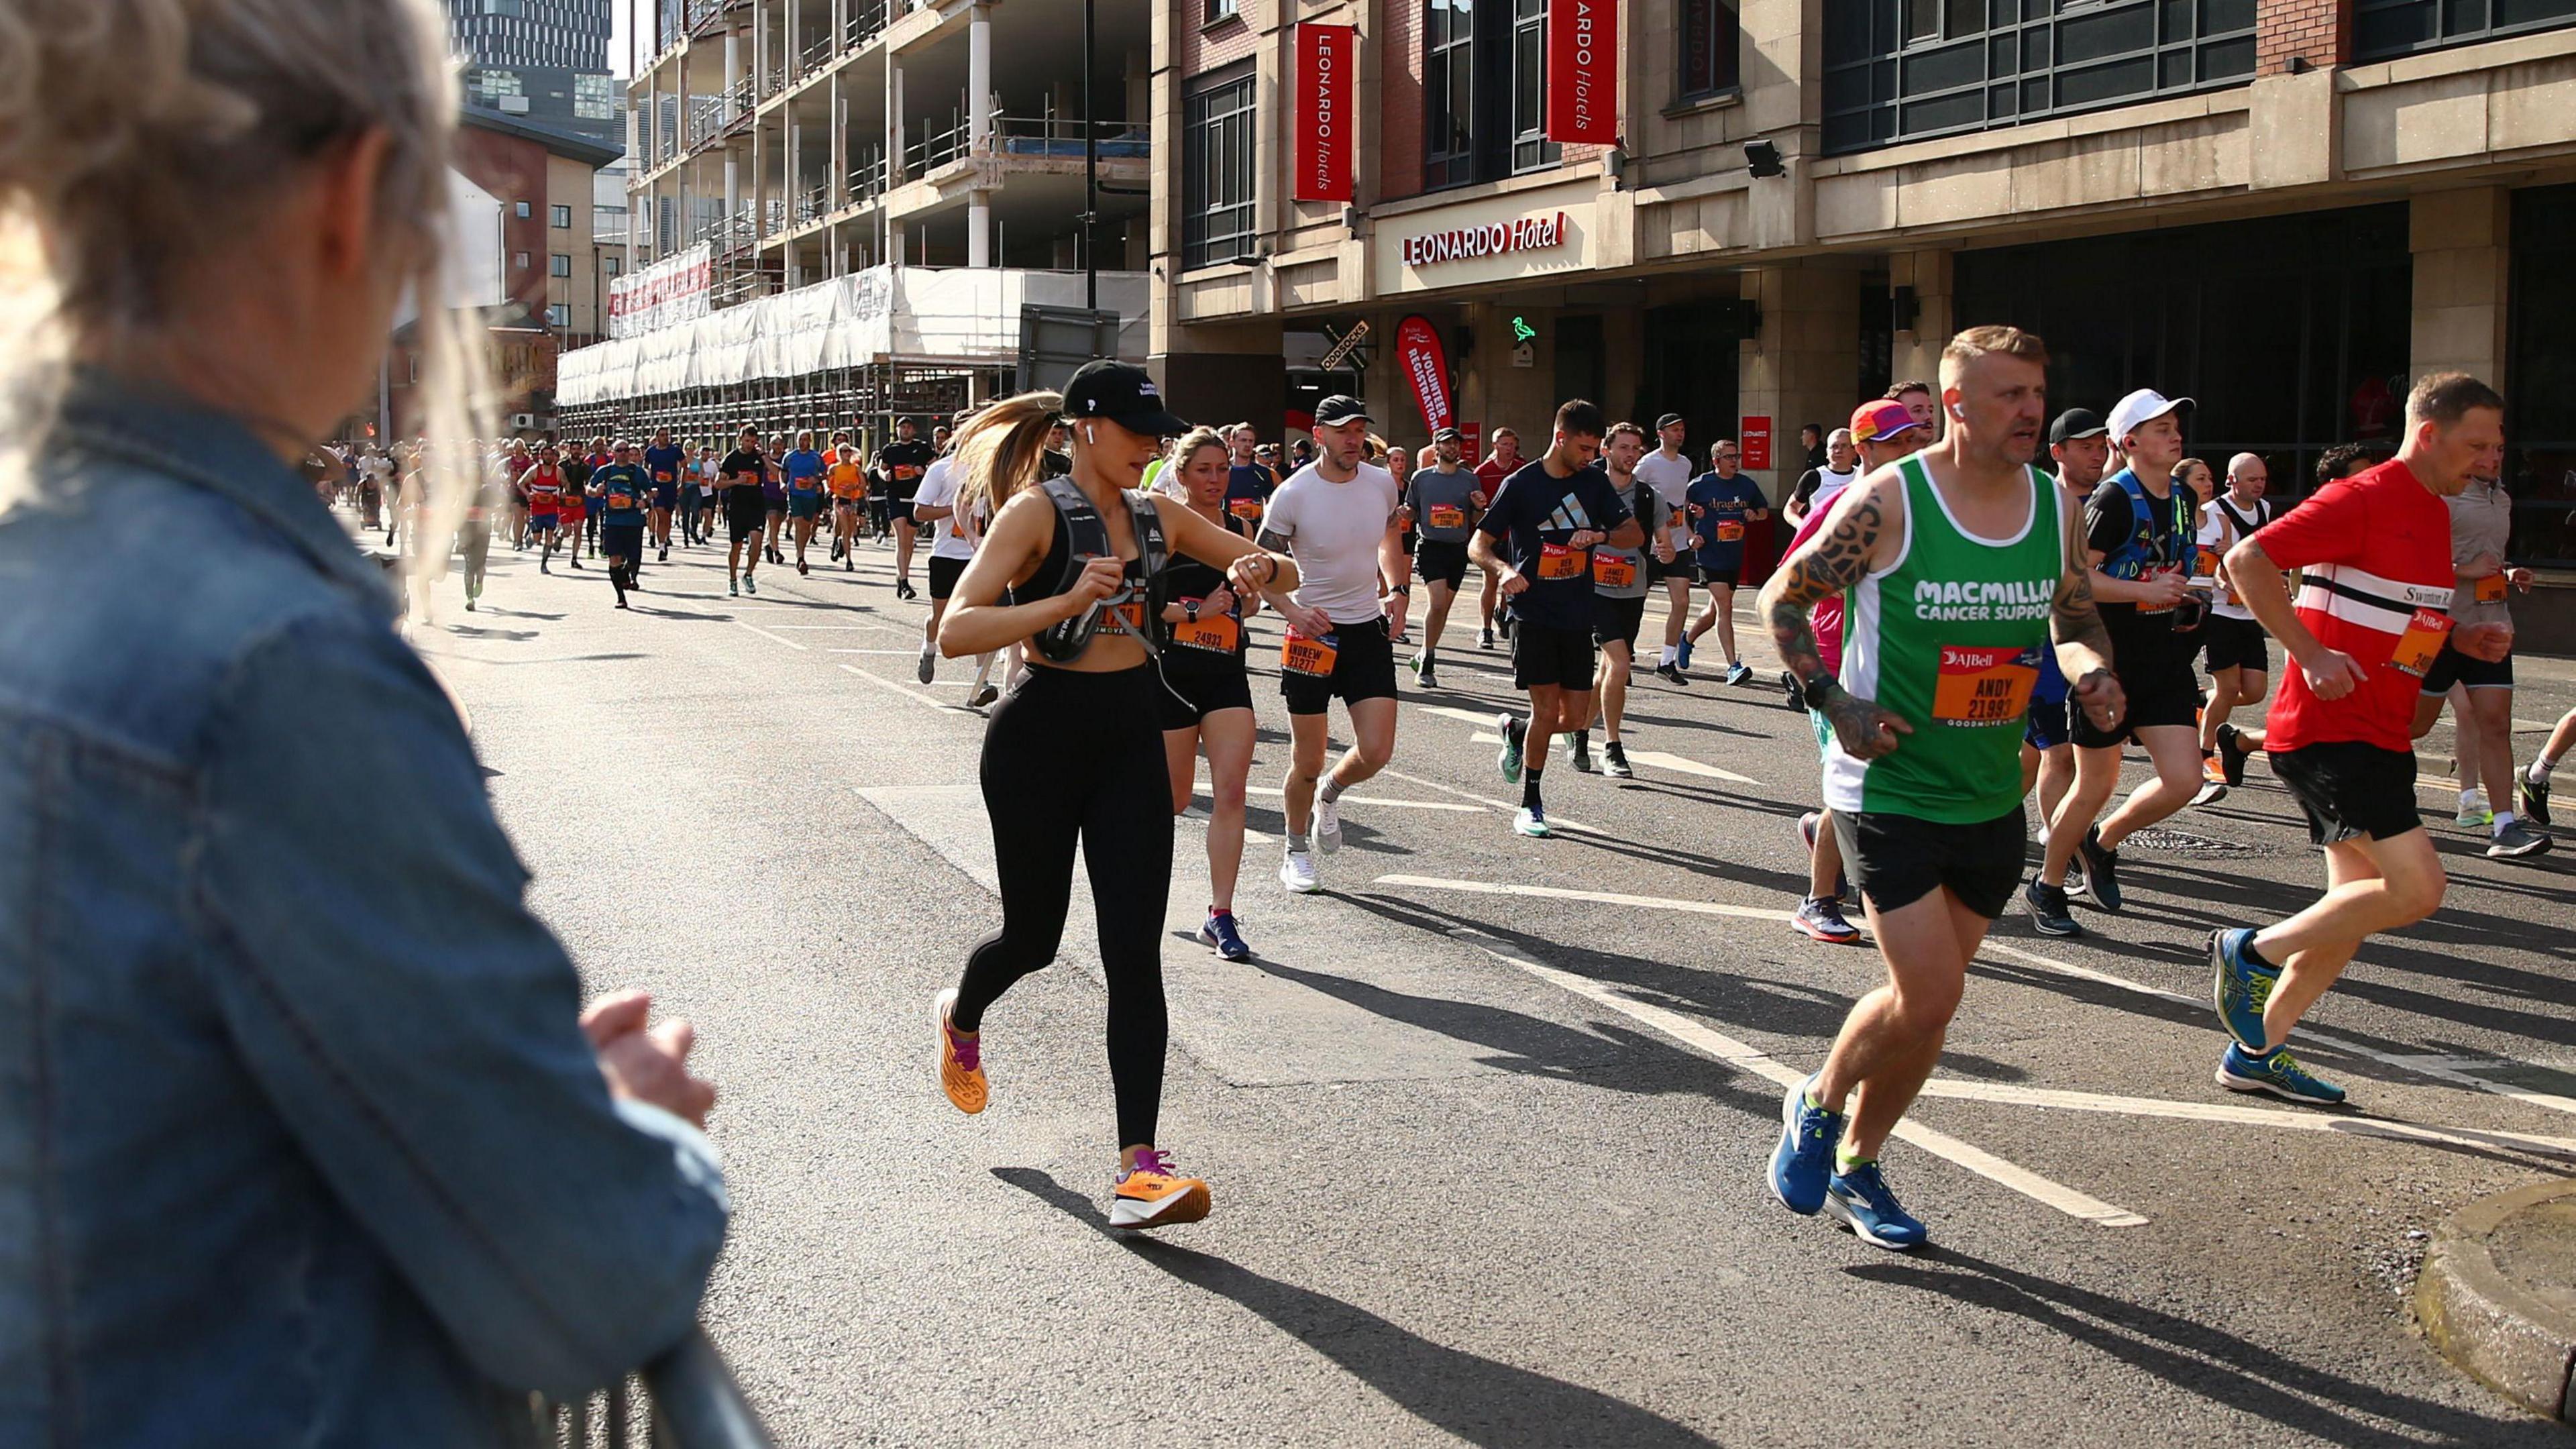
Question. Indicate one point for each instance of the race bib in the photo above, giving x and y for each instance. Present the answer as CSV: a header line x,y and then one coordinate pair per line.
x,y
2150,575
1310,657
1215,633
1247,509
2204,564
1730,530
1984,686
905,472
1126,618
662,477
2490,590
1556,561
1614,571
621,500
1447,515
2421,643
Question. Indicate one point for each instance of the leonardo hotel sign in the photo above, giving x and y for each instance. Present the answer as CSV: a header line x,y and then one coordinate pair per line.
x,y
1529,233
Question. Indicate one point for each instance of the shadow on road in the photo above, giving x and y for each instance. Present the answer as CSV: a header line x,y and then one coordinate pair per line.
x,y
1480,1400
2199,1359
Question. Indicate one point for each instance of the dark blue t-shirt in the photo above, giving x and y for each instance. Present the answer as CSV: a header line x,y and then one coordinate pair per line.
x,y
804,470
1247,487
1722,501
1533,514
665,464
624,493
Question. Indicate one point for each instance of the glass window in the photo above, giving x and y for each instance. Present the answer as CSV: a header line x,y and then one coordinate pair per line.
x,y
559,315
559,265
1220,9
2540,406
1898,70
1217,172
1448,92
1531,149
520,209
559,216
1485,91
594,97
1709,45
519,260
2382,28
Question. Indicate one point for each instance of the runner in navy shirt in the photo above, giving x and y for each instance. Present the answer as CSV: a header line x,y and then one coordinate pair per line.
x,y
665,462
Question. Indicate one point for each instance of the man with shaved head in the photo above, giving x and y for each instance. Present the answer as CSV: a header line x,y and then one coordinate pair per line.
x,y
2240,662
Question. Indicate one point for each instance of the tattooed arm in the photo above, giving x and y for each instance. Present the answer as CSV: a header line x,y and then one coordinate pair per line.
x,y
1866,524
2083,644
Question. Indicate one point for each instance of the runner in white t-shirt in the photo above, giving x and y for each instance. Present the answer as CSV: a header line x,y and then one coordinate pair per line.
x,y
1668,471
934,513
1333,516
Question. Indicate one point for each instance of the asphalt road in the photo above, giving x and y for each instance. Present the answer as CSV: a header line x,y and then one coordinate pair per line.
x,y
1486,1123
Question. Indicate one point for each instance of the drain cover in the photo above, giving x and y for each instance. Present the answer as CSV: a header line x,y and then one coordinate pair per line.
x,y
2198,847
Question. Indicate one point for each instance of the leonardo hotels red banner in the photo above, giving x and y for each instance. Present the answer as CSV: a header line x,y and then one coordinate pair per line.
x,y
1322,95
1583,71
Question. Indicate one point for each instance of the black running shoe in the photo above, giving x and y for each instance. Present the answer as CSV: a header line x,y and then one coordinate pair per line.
x,y
2232,754
2101,871
2534,795
2048,913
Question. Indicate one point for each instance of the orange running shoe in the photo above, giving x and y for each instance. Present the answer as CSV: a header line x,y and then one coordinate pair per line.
x,y
1152,1195
961,1058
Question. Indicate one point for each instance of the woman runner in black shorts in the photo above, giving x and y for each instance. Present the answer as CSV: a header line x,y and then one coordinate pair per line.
x,y
1207,698
1074,752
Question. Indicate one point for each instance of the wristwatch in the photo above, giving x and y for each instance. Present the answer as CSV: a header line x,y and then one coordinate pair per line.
x,y
1190,610
1817,689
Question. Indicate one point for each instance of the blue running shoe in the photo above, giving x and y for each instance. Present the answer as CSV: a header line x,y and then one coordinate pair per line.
x,y
1860,1199
1219,930
1805,1156
1682,662
2240,988
2278,1073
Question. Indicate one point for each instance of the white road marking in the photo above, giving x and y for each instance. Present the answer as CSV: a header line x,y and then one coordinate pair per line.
x,y
1707,1040
1661,761
2296,1121
1508,807
932,700
888,628
1272,791
889,653
1607,898
1471,716
2414,1062
773,638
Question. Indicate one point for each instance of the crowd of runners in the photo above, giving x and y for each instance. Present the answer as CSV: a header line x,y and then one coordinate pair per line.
x,y
1978,602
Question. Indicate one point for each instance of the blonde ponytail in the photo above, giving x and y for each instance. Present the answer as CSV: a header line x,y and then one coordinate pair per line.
x,y
998,452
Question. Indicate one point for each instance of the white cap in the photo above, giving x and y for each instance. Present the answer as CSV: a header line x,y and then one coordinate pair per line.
x,y
2141,407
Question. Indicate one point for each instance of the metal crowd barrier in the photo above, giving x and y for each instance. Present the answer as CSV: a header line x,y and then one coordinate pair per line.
x,y
686,1399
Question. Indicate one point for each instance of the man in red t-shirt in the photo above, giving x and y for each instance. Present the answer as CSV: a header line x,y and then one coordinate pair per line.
x,y
2372,614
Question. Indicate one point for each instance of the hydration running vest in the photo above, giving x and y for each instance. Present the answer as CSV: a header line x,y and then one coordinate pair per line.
x,y
2138,551
1086,536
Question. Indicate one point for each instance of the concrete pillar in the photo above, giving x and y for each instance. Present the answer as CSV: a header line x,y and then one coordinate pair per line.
x,y
979,79
1917,353
839,157
894,123
1800,369
2463,245
732,74
979,229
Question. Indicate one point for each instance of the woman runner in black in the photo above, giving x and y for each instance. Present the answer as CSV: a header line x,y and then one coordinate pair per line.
x,y
1074,752
1207,697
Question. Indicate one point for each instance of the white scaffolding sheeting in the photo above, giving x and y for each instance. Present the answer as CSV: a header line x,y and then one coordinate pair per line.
x,y
966,316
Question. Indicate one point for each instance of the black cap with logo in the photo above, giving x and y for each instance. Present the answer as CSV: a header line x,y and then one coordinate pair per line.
x,y
1338,409
2076,423
1121,393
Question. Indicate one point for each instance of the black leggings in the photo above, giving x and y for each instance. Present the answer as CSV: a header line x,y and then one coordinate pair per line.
x,y
476,540
1081,756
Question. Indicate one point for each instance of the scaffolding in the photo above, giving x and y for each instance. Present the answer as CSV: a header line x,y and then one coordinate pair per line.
x,y
856,352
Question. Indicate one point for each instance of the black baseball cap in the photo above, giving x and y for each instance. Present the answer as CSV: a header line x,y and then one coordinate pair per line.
x,y
1666,421
1340,408
1124,394
1448,435
2076,423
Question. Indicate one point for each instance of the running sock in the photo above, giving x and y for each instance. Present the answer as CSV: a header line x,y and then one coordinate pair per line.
x,y
1331,791
2254,957
1845,1159
1529,787
1672,654
2503,818
2538,774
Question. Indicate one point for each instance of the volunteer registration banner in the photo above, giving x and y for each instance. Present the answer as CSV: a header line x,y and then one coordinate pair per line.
x,y
672,290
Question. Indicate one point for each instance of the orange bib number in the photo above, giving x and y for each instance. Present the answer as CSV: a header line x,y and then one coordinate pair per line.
x,y
1247,509
1556,561
1126,618
1311,657
1215,633
1984,686
1730,530
2490,590
2421,643
1611,571
1448,515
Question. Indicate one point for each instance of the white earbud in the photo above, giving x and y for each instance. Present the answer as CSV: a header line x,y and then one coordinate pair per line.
x,y
1958,412
1090,434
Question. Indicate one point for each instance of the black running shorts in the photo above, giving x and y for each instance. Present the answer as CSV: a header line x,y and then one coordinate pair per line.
x,y
1363,668
2236,644
2452,667
1440,563
1617,620
2349,789
1682,567
944,574
1896,860
1543,656
2165,694
1197,684
746,513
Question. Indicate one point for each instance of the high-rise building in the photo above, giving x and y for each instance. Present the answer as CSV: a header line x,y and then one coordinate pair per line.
x,y
546,60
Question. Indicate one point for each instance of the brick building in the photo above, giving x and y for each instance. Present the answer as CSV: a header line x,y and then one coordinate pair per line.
x,y
2285,208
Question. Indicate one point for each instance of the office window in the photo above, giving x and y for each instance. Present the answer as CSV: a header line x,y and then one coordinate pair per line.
x,y
2384,28
1222,9
559,217
519,261
520,209
1217,167
614,263
1484,98
1899,70
1710,40
559,315
594,97
559,265
489,86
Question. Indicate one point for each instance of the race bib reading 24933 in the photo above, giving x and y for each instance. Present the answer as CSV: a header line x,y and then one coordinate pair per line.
x,y
1983,686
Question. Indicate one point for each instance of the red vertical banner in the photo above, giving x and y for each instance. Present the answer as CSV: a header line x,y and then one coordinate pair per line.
x,y
1426,365
1583,71
1753,442
1321,105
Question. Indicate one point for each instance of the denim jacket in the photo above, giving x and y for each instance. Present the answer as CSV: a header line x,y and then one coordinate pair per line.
x,y
300,1142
